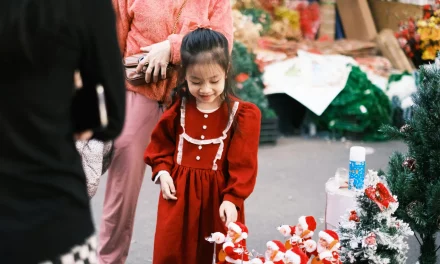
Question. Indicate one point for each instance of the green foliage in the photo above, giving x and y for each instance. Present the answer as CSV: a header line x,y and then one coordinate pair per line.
x,y
243,61
250,90
360,108
418,188
259,16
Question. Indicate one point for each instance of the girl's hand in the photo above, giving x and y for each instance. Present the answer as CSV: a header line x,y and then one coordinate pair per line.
x,y
157,58
167,186
228,212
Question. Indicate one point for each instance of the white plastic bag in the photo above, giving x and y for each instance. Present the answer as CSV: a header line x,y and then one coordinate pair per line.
x,y
96,157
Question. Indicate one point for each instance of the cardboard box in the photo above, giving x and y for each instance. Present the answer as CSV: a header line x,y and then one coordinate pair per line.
x,y
389,14
357,20
390,48
328,19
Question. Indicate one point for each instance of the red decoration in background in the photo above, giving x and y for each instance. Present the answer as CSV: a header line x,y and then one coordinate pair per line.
x,y
270,5
410,163
408,37
385,193
309,19
242,77
354,217
380,195
427,11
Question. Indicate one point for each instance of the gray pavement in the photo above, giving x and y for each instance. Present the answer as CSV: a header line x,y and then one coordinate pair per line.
x,y
290,183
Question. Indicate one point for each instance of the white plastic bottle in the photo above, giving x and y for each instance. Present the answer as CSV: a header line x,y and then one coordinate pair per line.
x,y
356,172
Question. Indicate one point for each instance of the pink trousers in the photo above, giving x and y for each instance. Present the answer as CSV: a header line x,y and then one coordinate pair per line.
x,y
125,177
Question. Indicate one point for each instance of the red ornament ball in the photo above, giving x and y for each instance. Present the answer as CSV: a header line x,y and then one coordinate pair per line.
x,y
410,163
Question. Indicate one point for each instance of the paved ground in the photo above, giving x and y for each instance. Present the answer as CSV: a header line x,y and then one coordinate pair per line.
x,y
290,184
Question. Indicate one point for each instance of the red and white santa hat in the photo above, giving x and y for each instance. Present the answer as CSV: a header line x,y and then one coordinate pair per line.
x,y
332,238
276,245
307,223
239,228
292,257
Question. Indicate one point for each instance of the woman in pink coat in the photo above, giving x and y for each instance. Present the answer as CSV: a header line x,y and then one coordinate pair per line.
x,y
155,27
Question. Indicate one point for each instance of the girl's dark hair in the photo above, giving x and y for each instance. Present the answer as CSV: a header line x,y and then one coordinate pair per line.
x,y
205,46
30,29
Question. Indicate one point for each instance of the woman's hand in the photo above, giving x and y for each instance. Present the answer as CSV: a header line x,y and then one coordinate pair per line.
x,y
167,186
77,79
228,212
83,136
88,134
157,59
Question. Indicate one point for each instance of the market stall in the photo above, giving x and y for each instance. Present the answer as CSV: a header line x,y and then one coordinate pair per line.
x,y
313,71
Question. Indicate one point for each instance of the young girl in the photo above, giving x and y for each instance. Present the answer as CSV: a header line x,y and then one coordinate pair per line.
x,y
203,152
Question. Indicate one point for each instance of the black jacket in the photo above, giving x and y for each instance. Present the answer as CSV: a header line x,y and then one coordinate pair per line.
x,y
44,207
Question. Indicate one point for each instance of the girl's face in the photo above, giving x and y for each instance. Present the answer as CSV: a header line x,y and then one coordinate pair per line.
x,y
206,82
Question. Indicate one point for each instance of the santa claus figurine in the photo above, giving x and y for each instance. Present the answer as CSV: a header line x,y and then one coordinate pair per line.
x,y
274,254
330,258
292,258
234,247
327,250
304,259
300,241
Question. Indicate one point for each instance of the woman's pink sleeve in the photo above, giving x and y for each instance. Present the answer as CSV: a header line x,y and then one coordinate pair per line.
x,y
220,19
123,21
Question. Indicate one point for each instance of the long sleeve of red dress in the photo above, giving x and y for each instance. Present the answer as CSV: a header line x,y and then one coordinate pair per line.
x,y
159,154
243,155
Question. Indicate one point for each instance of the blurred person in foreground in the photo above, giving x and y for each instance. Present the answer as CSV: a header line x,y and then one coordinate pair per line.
x,y
45,213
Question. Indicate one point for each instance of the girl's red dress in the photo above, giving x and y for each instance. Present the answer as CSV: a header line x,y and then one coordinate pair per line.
x,y
212,158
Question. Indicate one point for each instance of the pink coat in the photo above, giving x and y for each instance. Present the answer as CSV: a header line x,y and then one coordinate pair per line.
x,y
145,22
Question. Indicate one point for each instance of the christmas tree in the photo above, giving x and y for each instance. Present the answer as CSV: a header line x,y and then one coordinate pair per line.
x,y
370,233
415,176
249,85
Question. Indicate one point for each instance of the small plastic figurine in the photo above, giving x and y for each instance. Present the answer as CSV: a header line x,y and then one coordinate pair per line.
x,y
275,253
292,258
300,236
327,251
234,249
